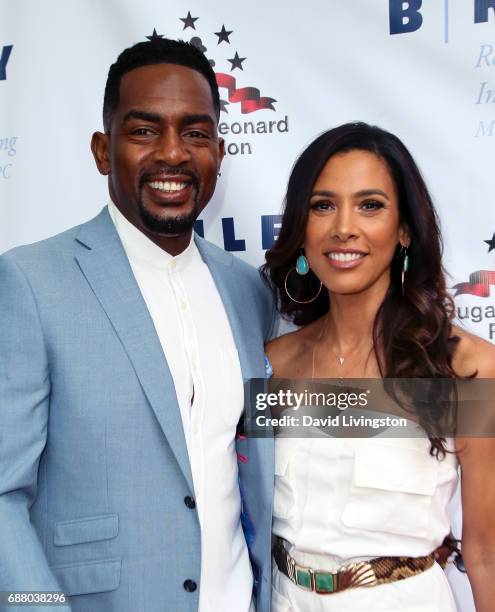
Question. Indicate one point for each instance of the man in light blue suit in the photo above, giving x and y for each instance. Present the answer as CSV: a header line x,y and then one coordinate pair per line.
x,y
124,343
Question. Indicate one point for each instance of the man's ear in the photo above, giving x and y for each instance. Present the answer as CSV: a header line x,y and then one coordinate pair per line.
x,y
221,152
100,147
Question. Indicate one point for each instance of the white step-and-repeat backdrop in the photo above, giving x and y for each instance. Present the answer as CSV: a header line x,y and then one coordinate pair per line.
x,y
424,70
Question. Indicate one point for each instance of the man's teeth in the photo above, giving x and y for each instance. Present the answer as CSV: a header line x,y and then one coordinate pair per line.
x,y
345,256
167,185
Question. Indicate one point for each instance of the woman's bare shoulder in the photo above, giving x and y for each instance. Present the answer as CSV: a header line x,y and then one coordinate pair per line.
x,y
284,345
284,351
473,354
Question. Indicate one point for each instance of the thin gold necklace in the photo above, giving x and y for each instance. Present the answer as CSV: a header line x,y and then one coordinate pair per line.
x,y
340,358
320,335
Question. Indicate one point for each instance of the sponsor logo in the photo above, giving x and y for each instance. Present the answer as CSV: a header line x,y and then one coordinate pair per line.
x,y
485,95
481,8
269,227
4,60
246,112
479,285
7,152
7,143
238,95
406,17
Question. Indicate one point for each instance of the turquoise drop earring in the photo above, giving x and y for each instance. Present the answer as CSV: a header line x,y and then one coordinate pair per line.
x,y
302,265
302,268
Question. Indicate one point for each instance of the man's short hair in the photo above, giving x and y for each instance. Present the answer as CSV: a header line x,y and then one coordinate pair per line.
x,y
155,51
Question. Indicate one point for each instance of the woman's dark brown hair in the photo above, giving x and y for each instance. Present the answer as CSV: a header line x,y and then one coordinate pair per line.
x,y
412,333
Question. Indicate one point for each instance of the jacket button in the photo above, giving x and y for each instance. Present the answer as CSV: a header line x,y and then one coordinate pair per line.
x,y
190,585
189,501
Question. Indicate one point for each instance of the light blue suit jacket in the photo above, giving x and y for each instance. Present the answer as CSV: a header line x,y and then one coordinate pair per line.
x,y
93,462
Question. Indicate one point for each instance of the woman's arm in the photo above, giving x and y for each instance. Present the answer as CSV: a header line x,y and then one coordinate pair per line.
x,y
477,459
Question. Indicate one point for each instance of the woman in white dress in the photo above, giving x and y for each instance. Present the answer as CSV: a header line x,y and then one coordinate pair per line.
x,y
357,265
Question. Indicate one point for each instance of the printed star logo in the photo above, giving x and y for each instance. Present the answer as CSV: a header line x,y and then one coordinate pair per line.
x,y
155,35
247,97
236,62
189,21
490,243
480,281
198,43
223,35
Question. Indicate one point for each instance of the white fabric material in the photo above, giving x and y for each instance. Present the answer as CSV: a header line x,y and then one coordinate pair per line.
x,y
197,341
425,592
340,500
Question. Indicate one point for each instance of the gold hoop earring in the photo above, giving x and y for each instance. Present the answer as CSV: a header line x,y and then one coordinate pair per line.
x,y
294,299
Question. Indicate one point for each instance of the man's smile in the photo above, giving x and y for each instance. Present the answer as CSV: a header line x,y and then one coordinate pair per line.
x,y
170,188
167,186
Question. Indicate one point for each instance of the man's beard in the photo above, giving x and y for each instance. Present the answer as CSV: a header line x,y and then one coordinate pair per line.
x,y
171,226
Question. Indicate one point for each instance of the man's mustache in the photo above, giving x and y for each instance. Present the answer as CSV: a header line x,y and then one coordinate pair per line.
x,y
170,171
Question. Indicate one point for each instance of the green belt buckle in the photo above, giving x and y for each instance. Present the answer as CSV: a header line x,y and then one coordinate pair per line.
x,y
303,579
324,582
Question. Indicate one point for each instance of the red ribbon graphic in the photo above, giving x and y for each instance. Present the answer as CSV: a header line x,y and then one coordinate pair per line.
x,y
249,97
479,284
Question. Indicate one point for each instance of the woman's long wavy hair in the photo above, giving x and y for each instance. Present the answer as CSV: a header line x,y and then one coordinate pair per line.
x,y
412,333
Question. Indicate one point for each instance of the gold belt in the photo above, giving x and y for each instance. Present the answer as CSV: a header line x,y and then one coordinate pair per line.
x,y
376,571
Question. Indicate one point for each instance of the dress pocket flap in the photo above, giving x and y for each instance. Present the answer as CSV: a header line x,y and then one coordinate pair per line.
x,y
88,529
88,577
391,468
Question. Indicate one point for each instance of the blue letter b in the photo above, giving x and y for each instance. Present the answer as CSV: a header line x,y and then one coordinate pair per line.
x,y
397,13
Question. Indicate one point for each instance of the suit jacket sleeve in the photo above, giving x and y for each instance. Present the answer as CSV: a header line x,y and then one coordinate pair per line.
x,y
273,322
24,404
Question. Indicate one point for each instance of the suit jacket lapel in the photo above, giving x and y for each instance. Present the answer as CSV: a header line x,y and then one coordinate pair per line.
x,y
261,460
227,282
106,268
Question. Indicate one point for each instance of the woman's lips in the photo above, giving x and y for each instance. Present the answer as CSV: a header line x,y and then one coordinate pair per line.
x,y
345,260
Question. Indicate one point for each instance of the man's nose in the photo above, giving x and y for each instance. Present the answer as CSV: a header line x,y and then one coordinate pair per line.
x,y
171,149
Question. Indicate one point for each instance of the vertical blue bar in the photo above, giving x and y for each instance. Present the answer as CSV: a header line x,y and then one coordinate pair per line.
x,y
446,22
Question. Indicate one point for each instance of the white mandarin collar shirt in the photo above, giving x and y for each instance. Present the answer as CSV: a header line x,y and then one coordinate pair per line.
x,y
144,252
196,338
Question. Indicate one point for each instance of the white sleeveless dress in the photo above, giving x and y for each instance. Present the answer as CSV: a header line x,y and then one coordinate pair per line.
x,y
339,500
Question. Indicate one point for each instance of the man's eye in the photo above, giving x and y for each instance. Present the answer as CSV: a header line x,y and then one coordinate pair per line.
x,y
141,132
196,134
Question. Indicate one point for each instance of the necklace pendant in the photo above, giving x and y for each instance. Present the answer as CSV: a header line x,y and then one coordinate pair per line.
x,y
341,359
